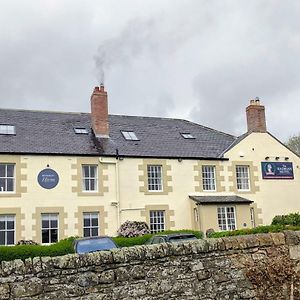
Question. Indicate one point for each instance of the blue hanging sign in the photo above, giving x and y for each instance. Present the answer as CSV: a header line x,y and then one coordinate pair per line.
x,y
277,170
48,179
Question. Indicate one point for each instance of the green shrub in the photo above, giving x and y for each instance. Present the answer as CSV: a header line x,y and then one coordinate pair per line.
x,y
290,219
198,234
131,241
66,246
141,240
259,229
25,251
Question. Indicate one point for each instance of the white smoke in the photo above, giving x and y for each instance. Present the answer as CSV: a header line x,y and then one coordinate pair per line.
x,y
152,37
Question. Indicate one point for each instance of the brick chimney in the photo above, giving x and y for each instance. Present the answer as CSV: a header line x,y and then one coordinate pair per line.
x,y
99,112
256,117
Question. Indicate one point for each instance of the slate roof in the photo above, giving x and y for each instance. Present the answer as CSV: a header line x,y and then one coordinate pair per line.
x,y
40,132
219,199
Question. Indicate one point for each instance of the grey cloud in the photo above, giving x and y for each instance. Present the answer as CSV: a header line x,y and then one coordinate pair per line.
x,y
194,59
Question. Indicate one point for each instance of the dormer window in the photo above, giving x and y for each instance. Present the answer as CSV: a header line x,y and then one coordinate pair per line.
x,y
129,135
7,129
81,130
187,136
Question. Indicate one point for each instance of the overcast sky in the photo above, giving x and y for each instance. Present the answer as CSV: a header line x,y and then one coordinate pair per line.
x,y
198,60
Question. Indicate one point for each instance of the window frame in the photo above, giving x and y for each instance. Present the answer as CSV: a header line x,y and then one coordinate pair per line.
x,y
160,184
6,230
187,135
129,135
89,178
252,217
91,227
155,216
8,132
49,228
209,181
5,177
81,130
239,186
224,211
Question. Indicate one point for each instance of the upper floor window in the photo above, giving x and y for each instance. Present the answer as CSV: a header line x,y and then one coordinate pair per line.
x,y
157,220
209,178
130,135
7,177
155,178
7,229
49,228
7,129
242,178
226,218
90,178
90,224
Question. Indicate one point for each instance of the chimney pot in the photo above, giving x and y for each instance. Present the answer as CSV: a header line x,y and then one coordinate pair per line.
x,y
99,112
256,118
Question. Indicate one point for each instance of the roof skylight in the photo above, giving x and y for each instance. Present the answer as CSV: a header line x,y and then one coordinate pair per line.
x,y
81,130
130,135
7,129
187,135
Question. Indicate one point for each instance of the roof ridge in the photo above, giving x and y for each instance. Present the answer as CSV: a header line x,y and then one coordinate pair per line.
x,y
45,111
209,128
122,115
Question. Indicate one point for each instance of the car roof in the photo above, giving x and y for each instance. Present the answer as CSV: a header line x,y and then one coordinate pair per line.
x,y
174,235
91,238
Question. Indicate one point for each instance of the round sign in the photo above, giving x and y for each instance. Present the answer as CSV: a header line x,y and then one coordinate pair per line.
x,y
48,179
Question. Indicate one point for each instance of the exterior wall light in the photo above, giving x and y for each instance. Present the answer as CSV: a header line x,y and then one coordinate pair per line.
x,y
267,158
286,158
277,157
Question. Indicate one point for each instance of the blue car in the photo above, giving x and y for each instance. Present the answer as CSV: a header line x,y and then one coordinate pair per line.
x,y
93,244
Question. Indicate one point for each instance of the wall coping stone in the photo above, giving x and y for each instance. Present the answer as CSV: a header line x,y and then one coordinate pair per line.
x,y
146,252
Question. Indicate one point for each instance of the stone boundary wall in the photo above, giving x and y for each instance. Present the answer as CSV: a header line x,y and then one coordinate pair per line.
x,y
263,266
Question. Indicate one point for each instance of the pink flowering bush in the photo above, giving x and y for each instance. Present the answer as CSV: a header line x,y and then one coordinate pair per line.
x,y
133,228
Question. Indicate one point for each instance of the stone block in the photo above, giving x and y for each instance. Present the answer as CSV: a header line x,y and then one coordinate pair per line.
x,y
122,274
7,268
295,252
4,291
265,239
107,276
138,272
278,238
27,288
291,237
87,279
203,274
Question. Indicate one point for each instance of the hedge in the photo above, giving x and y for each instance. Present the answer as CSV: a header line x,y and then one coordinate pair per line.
x,y
25,251
140,240
259,229
290,219
65,246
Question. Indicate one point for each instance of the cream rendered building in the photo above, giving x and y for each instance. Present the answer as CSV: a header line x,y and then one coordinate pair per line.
x,y
66,174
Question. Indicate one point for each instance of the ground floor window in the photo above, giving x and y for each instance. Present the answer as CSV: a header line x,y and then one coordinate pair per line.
x,y
49,228
7,229
157,220
90,224
226,218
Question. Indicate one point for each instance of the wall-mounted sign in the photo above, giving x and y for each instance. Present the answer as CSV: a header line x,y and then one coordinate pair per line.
x,y
48,179
277,170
